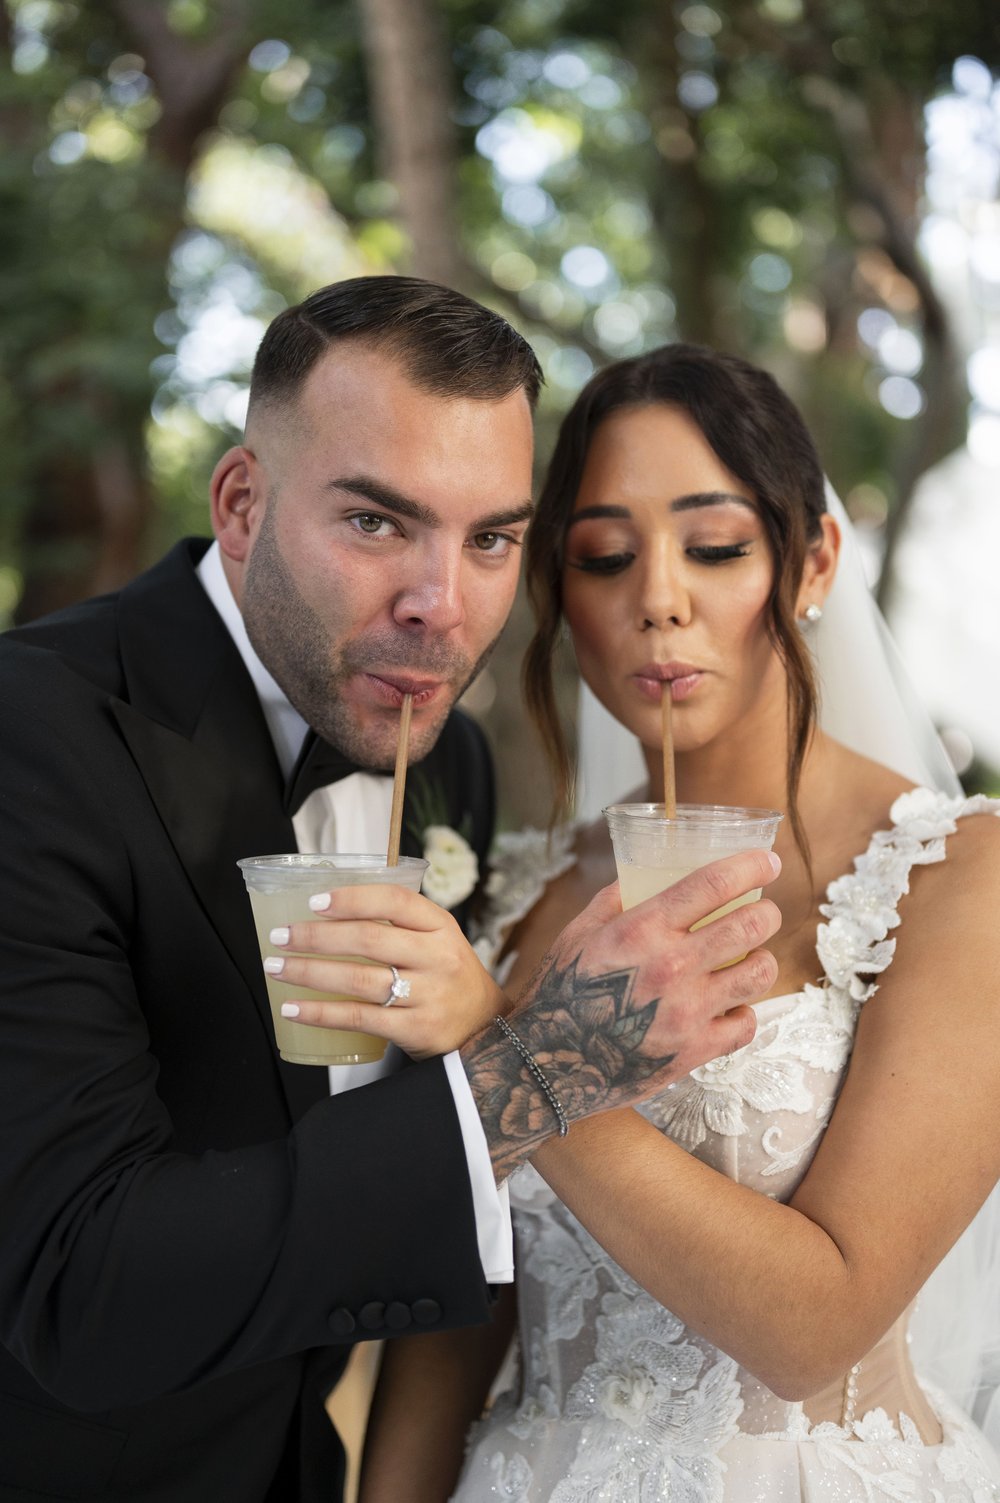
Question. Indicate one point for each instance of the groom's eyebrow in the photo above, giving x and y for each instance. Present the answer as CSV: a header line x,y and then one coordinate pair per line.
x,y
389,499
693,502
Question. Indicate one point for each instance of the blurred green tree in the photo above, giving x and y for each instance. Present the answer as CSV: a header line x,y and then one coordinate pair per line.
x,y
744,172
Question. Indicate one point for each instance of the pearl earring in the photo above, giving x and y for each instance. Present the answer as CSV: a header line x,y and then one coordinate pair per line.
x,y
812,614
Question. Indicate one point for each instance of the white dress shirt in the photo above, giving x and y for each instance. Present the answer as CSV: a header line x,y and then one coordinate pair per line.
x,y
353,815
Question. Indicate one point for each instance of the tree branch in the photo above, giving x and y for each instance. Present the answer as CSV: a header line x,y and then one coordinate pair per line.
x,y
192,78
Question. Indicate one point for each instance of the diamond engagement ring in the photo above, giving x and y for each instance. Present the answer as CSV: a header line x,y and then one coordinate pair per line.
x,y
399,990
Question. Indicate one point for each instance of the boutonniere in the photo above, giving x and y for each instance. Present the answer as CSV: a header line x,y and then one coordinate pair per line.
x,y
453,867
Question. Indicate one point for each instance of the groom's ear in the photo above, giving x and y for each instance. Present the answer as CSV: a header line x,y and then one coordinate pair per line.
x,y
237,496
820,567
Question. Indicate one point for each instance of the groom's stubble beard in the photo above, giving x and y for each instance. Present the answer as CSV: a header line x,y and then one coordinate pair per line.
x,y
310,665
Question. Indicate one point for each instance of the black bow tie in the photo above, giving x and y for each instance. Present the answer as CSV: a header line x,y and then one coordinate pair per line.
x,y
318,764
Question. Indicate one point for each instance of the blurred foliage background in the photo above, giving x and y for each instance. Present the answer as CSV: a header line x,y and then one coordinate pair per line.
x,y
776,177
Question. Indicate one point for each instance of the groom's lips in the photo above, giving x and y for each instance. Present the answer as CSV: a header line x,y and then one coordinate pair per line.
x,y
390,688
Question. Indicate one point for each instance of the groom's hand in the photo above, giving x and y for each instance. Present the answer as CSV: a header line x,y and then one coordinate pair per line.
x,y
623,1004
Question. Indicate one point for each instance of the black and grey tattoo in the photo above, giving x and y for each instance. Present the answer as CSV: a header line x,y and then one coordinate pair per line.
x,y
585,1033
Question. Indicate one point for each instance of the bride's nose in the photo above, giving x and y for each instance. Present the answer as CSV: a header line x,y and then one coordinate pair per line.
x,y
664,599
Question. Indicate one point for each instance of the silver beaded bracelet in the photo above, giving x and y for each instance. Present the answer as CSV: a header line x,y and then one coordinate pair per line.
x,y
536,1073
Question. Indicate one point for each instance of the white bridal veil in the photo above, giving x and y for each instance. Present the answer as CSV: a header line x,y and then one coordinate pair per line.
x,y
867,701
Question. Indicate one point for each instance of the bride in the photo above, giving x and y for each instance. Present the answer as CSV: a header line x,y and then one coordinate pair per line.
x,y
714,1289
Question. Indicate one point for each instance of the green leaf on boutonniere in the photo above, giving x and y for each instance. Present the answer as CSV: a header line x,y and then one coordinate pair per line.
x,y
429,806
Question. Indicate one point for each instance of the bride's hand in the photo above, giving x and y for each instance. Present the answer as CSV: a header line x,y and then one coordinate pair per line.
x,y
444,995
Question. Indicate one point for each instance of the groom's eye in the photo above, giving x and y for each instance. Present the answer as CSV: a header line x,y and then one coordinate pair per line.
x,y
371,523
496,544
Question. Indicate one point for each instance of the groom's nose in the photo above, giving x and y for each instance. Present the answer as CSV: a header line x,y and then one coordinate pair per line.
x,y
432,593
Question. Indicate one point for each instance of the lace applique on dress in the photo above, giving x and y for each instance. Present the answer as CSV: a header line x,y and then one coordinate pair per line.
x,y
656,1412
621,1401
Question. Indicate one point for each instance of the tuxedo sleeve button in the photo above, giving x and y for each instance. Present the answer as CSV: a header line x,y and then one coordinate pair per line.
x,y
398,1316
341,1322
426,1312
372,1316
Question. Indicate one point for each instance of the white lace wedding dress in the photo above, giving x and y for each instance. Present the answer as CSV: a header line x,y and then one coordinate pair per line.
x,y
618,1399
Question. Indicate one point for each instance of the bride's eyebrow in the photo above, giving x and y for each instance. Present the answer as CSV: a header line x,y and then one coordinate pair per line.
x,y
588,513
699,499
693,502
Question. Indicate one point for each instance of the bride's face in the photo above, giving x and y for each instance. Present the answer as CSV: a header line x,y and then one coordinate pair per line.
x,y
667,576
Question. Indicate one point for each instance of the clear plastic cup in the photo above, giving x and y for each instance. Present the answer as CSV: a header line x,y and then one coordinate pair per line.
x,y
652,851
280,888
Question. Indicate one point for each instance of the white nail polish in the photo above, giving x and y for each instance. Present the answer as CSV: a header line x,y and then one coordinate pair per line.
x,y
289,1009
279,936
319,901
274,964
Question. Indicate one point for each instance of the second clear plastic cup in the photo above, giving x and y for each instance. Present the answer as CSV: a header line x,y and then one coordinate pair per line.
x,y
652,851
280,888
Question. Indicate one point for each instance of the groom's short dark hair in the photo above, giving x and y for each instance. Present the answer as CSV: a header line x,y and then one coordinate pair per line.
x,y
446,343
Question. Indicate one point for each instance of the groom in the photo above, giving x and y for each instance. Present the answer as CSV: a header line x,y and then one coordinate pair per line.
x,y
195,1232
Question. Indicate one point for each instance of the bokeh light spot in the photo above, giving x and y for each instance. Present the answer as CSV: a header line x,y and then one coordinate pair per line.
x,y
901,397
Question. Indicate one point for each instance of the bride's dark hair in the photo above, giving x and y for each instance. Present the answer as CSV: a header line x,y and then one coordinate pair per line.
x,y
760,436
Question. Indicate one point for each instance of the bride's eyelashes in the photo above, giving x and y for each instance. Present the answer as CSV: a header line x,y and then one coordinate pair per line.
x,y
602,563
705,553
719,553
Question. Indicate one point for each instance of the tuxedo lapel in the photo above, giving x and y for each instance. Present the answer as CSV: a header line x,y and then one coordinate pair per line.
x,y
194,725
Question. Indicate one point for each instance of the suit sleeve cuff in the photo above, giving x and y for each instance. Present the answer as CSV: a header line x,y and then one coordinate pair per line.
x,y
490,1201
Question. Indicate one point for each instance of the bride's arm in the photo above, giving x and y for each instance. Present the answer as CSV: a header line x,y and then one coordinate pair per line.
x,y
430,1389
798,1293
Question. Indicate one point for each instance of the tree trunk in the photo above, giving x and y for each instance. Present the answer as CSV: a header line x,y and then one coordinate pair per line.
x,y
411,86
90,509
683,203
882,156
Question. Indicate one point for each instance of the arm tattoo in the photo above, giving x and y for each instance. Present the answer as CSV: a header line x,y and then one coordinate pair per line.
x,y
585,1033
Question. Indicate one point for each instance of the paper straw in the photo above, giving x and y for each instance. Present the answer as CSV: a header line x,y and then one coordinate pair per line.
x,y
399,782
669,782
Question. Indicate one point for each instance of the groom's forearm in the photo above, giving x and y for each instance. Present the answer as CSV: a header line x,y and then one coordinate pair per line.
x,y
512,1123
580,1031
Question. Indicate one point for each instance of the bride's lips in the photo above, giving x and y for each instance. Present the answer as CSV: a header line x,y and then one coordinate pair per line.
x,y
683,679
390,688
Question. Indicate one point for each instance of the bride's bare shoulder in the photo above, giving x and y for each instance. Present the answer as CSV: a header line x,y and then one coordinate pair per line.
x,y
563,899
569,894
851,799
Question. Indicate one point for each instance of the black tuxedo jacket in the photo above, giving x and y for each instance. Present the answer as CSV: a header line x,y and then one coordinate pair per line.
x,y
193,1232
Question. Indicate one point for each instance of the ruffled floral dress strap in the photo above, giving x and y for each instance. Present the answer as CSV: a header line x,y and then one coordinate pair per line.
x,y
522,864
863,906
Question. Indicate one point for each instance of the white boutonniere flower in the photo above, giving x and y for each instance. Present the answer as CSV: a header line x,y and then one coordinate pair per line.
x,y
454,868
